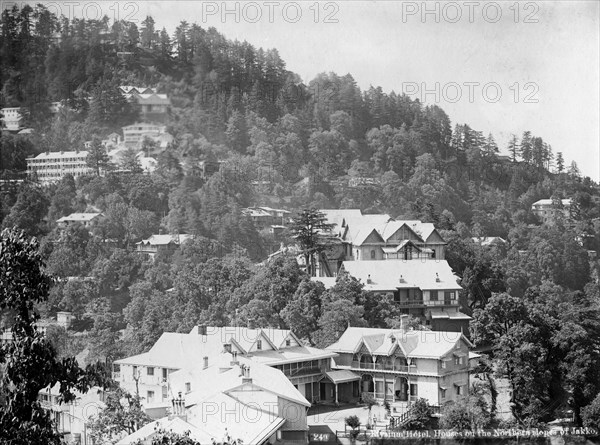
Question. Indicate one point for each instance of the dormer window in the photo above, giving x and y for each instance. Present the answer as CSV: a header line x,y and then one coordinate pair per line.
x,y
259,344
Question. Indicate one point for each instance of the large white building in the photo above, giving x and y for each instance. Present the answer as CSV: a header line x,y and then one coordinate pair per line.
x,y
134,134
233,398
11,118
548,210
148,373
50,167
401,366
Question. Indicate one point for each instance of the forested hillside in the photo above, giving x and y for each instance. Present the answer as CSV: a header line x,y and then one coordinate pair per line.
x,y
288,143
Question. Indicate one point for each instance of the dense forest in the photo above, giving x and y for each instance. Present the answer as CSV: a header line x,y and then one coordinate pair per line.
x,y
288,144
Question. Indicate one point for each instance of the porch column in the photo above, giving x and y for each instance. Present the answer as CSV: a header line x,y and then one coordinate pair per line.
x,y
336,394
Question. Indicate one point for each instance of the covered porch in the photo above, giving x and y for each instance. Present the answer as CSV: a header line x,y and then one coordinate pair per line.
x,y
340,387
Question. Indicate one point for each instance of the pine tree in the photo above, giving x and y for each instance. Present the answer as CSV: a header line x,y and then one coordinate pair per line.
x,y
513,147
97,158
526,147
560,162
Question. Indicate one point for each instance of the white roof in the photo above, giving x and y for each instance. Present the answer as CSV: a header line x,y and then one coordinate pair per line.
x,y
172,350
62,154
548,202
163,240
223,377
416,344
384,275
355,227
79,217
488,240
175,425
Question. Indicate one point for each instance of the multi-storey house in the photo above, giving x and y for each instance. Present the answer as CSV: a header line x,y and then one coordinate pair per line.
x,y
148,373
152,106
51,167
548,210
399,366
424,288
377,237
233,399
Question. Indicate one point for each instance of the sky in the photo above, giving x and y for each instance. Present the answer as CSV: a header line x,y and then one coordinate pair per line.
x,y
502,67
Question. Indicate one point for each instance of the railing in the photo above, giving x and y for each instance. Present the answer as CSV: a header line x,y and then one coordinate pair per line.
x,y
416,303
303,371
379,366
441,302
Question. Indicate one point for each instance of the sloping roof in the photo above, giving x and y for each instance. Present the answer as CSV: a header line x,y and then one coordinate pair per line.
x,y
175,425
450,315
416,344
152,99
223,377
424,230
173,350
385,275
548,202
163,240
342,376
488,240
62,154
79,217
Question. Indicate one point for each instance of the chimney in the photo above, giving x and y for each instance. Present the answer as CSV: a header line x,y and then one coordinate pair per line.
x,y
234,358
205,363
202,330
369,279
246,375
179,407
404,322
437,277
402,279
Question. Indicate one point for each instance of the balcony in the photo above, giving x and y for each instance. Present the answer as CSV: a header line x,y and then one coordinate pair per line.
x,y
426,303
379,366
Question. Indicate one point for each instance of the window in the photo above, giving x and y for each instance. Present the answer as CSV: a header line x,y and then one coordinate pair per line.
x,y
458,360
165,373
288,342
150,370
150,396
165,393
413,389
443,364
372,254
433,295
259,344
459,390
443,393
134,371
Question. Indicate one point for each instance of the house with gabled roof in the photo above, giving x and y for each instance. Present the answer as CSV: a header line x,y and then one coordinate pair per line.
x,y
234,398
399,365
148,373
161,243
424,288
377,237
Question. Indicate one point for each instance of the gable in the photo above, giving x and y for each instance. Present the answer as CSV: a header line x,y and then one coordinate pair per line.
x,y
373,237
292,339
404,233
435,237
265,343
